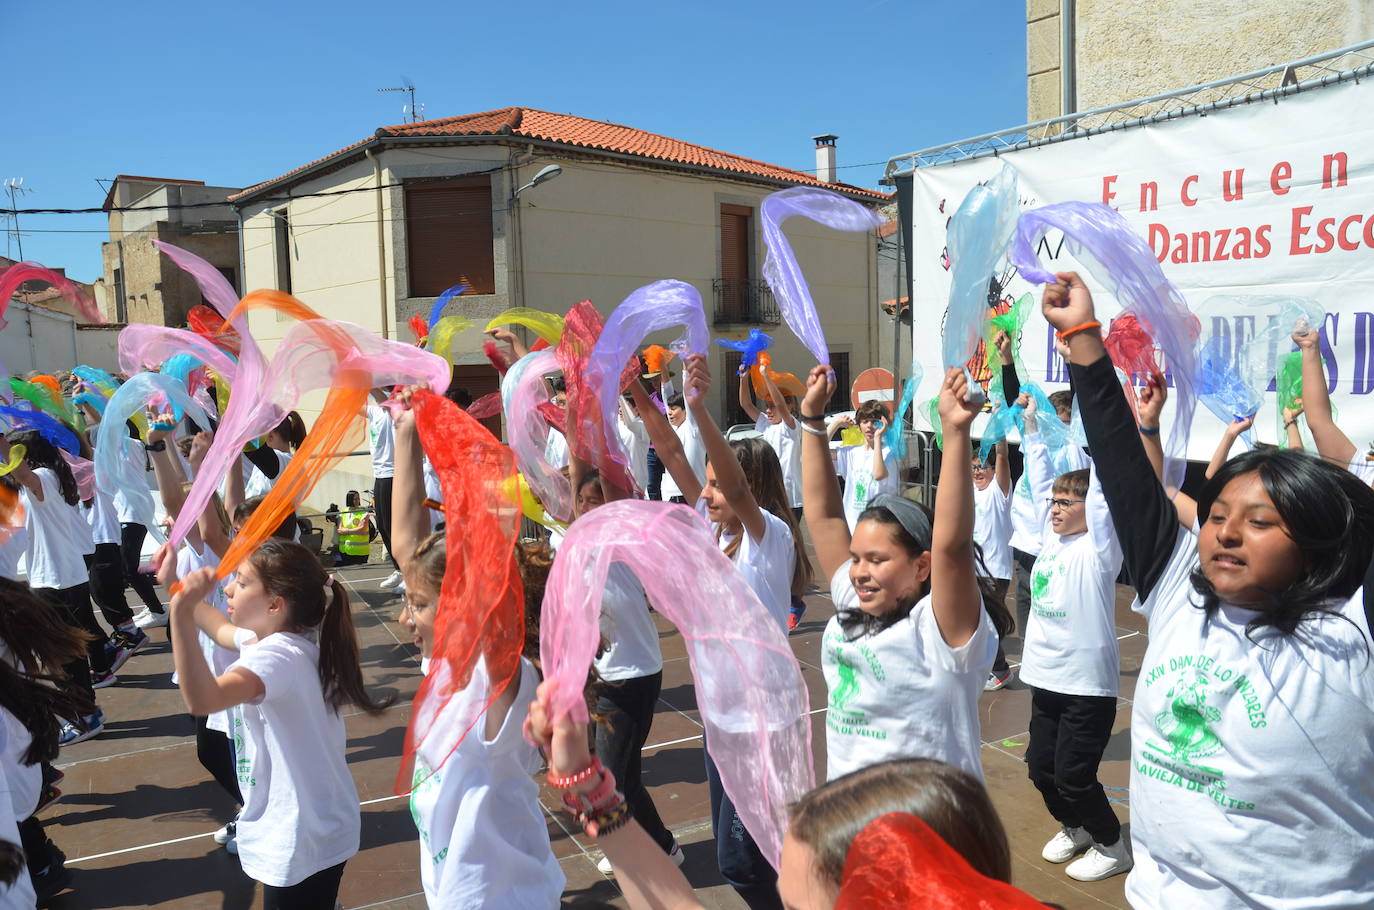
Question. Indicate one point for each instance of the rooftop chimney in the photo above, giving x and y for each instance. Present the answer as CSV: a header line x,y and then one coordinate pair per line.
x,y
825,158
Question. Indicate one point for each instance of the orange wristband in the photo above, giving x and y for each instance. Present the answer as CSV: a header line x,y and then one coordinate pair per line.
x,y
1064,335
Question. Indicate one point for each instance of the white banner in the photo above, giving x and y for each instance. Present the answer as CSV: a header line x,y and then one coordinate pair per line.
x,y
1258,200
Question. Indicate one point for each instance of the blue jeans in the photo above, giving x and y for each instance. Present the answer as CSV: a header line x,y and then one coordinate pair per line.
x,y
655,476
741,863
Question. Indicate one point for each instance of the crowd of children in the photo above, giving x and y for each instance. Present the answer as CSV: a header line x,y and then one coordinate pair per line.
x,y
1250,768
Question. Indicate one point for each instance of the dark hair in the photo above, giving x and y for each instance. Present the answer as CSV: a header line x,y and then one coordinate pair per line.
x,y
352,500
39,453
1329,513
976,456
1073,482
1062,400
290,571
558,383
284,531
458,395
952,802
675,401
292,429
763,471
857,623
36,689
871,410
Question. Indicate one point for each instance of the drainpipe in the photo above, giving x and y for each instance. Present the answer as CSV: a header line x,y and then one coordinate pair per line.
x,y
1068,59
384,307
243,262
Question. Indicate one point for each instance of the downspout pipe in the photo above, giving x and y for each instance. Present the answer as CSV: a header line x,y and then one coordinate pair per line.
x,y
1068,59
384,307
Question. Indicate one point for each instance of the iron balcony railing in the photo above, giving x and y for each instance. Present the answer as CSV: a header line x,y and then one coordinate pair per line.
x,y
744,301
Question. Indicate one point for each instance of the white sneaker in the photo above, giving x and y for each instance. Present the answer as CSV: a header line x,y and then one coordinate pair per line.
x,y
147,619
1065,845
1101,862
675,854
394,580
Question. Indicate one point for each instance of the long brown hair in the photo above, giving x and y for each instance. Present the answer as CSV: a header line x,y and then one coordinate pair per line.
x,y
763,471
36,689
954,804
290,571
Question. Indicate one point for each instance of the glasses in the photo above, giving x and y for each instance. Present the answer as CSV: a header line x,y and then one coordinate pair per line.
x,y
1063,503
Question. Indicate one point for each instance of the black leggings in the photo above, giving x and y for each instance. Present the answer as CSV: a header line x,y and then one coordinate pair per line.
x,y
381,504
318,892
74,603
106,568
216,754
131,548
628,706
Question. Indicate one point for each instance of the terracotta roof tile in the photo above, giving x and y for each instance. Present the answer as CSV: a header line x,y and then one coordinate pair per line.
x,y
595,135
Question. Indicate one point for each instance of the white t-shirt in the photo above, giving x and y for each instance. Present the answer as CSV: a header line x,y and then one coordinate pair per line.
x,y
11,550
382,435
300,812
632,649
130,509
556,449
1026,525
992,528
1362,468
695,450
767,564
218,659
59,537
635,438
433,490
902,692
1251,781
102,516
256,483
1071,645
787,443
20,895
483,840
855,465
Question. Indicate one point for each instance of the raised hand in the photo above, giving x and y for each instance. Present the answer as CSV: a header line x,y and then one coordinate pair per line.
x,y
1151,401
696,381
1308,340
956,414
820,385
1067,303
1004,348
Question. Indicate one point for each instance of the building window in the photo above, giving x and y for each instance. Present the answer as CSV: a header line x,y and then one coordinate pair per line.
x,y
281,245
729,369
231,275
121,313
449,236
839,362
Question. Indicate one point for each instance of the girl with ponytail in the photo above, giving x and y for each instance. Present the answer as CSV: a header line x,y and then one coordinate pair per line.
x,y
298,665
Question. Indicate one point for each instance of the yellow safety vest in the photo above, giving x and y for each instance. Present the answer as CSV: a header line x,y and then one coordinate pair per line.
x,y
353,537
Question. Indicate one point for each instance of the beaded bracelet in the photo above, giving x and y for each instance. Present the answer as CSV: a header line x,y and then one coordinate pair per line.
x,y
606,821
572,780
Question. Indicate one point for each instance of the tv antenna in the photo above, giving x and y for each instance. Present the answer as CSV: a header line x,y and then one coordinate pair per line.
x,y
411,110
13,186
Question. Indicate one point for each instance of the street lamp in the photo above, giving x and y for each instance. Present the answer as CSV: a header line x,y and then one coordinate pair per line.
x,y
548,172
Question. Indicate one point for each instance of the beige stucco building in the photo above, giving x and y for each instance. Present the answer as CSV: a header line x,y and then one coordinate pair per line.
x,y
139,283
1124,49
373,232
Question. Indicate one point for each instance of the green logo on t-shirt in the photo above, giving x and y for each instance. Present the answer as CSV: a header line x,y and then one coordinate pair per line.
x,y
1047,568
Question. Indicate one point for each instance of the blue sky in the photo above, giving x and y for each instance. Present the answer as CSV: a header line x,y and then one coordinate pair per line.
x,y
235,93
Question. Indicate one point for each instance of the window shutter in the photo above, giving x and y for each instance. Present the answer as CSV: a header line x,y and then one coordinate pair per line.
x,y
449,235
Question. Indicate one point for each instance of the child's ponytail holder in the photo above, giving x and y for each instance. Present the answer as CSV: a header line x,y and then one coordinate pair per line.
x,y
329,591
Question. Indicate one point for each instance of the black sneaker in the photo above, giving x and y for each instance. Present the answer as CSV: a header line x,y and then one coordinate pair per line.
x,y
123,645
50,882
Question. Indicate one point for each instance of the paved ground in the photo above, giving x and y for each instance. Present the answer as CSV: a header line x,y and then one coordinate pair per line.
x,y
138,810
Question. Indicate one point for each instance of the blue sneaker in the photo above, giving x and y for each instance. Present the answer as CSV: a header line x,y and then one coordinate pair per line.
x,y
91,725
123,645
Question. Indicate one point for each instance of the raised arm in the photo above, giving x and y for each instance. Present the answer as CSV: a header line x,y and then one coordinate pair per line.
x,y
1223,450
212,530
954,593
409,515
166,467
1039,471
1002,473
880,471
667,445
730,479
779,401
203,692
746,398
1145,519
1011,383
823,507
1292,434
1150,402
1332,443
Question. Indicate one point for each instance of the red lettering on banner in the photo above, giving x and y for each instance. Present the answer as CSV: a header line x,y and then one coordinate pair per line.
x,y
1108,194
1228,193
1345,242
1262,247
1282,171
1183,191
1326,238
1339,160
1299,232
1149,196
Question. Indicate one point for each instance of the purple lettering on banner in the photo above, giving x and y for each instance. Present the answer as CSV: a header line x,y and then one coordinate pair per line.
x,y
1362,383
1331,338
1221,328
1055,368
